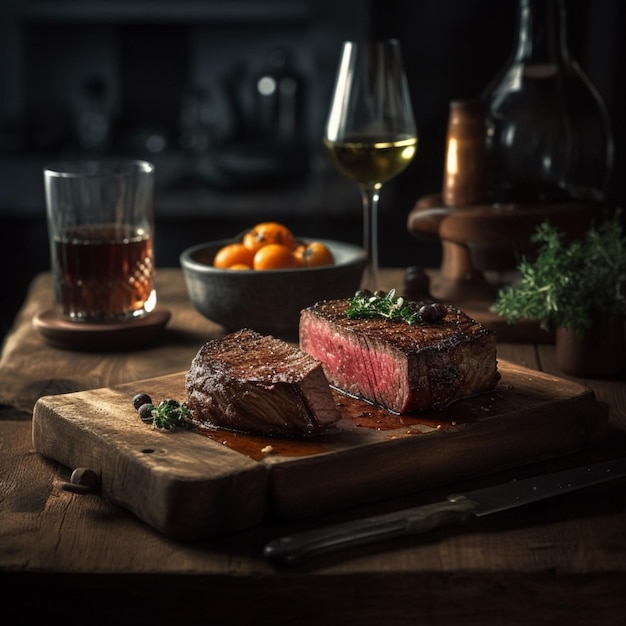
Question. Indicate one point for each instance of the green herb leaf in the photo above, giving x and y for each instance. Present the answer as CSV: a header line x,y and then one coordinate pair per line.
x,y
365,304
170,415
570,283
368,305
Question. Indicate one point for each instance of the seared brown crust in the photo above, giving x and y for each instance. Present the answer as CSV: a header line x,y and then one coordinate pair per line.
x,y
402,367
258,384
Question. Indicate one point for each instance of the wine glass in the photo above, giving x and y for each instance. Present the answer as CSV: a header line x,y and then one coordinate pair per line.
x,y
370,134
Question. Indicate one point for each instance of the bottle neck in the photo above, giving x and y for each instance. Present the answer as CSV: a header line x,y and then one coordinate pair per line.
x,y
542,36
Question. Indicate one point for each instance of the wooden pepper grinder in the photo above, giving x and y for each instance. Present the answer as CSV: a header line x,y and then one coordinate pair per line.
x,y
465,173
464,185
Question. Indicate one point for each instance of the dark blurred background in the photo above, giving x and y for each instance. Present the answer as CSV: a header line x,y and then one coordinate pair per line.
x,y
175,82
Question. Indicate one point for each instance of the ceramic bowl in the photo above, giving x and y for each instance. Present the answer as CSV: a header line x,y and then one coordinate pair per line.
x,y
268,301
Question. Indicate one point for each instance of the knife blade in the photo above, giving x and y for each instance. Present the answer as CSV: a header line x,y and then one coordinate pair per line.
x,y
455,509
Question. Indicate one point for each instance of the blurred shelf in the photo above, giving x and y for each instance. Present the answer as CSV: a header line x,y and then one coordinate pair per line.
x,y
323,193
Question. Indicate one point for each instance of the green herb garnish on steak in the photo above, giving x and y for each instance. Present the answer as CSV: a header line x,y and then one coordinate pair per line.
x,y
381,305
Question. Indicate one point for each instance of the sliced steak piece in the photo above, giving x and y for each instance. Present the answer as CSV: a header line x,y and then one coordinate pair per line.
x,y
258,384
404,368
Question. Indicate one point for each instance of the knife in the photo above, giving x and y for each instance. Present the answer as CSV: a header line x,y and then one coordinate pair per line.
x,y
455,509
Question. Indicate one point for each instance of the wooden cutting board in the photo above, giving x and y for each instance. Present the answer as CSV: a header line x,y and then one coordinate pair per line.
x,y
192,485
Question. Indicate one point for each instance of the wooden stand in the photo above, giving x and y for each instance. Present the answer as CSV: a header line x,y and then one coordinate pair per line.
x,y
484,237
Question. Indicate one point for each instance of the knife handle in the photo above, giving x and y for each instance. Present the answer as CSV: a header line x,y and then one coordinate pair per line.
x,y
293,548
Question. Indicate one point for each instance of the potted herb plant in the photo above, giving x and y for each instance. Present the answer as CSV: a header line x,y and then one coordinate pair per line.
x,y
577,289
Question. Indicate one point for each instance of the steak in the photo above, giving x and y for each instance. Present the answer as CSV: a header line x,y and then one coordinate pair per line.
x,y
258,384
402,367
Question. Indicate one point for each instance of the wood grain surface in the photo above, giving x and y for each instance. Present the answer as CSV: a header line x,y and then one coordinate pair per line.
x,y
193,485
84,558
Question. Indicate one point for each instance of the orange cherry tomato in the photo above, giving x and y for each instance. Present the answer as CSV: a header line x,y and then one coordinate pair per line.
x,y
268,232
314,254
240,266
233,254
274,256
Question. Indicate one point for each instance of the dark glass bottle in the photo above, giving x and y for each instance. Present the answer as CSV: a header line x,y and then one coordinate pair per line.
x,y
548,132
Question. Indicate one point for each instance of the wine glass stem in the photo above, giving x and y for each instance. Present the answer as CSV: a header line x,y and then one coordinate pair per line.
x,y
370,197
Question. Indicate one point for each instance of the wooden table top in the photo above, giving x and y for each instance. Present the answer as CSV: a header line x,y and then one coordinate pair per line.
x,y
558,561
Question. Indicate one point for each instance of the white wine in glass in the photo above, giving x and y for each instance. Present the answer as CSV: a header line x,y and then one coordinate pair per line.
x,y
370,134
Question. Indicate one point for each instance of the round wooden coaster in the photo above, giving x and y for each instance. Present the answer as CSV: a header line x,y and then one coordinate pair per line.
x,y
63,333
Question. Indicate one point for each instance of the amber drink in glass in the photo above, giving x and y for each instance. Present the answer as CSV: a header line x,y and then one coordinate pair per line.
x,y
101,228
